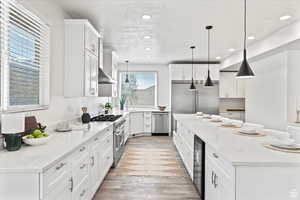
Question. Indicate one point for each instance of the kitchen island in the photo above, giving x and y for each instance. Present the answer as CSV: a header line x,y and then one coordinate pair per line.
x,y
237,167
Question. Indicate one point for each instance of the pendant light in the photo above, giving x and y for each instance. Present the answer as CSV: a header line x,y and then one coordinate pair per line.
x,y
127,78
245,70
192,87
208,82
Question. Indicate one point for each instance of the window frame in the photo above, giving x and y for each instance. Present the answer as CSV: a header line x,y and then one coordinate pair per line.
x,y
44,75
139,71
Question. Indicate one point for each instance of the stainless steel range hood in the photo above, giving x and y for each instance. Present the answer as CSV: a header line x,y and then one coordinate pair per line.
x,y
103,78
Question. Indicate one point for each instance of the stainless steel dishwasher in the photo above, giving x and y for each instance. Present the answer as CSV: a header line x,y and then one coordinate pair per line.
x,y
160,123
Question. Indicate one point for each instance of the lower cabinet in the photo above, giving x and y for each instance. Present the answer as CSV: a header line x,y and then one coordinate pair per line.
x,y
79,176
184,142
136,123
219,178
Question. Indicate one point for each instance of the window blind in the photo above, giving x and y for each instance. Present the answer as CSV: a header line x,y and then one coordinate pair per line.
x,y
24,57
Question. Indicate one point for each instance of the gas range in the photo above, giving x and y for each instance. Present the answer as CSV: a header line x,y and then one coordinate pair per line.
x,y
105,118
118,134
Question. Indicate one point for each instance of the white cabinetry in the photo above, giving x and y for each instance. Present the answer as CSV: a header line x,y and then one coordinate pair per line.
x,y
230,86
219,177
136,123
81,59
184,142
184,71
147,122
110,64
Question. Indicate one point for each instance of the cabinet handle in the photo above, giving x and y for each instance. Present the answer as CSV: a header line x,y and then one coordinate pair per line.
x,y
108,157
107,140
83,166
82,193
212,177
93,161
215,155
60,166
216,181
82,149
96,139
72,184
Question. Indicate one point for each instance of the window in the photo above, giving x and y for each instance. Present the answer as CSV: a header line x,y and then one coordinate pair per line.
x,y
24,42
141,89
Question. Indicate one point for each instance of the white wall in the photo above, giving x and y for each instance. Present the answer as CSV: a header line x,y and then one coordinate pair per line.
x,y
266,93
60,108
293,84
163,82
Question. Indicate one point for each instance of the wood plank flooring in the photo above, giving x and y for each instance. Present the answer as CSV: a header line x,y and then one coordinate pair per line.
x,y
150,169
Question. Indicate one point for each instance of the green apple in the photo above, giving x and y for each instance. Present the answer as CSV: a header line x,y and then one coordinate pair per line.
x,y
29,136
37,133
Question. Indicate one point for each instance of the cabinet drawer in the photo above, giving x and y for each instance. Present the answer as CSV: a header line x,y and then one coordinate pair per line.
x,y
220,161
107,160
57,174
80,169
106,143
62,190
82,191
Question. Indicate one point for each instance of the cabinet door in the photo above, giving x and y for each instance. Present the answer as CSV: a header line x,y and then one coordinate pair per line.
x,y
210,173
94,76
91,74
91,40
224,184
95,170
241,86
228,85
137,122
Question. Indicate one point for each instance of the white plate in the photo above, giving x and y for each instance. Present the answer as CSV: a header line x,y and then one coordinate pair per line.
x,y
288,147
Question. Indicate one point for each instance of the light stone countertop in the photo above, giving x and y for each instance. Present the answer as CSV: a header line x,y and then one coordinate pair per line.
x,y
36,159
238,150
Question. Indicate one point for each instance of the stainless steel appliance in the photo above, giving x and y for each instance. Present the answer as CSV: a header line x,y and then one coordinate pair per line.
x,y
118,134
160,123
119,140
199,166
204,99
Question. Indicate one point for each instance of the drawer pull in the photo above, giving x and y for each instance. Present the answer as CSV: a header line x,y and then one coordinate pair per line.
x,y
216,181
212,177
83,166
82,193
108,140
108,157
96,139
82,149
60,166
93,161
215,155
72,184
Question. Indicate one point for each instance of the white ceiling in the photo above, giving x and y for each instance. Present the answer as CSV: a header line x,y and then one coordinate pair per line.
x,y
178,24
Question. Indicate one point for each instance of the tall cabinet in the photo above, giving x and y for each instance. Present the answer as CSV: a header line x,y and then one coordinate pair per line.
x,y
82,58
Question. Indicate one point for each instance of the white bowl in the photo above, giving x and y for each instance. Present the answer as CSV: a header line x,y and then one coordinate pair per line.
x,y
287,142
216,117
237,123
36,141
251,126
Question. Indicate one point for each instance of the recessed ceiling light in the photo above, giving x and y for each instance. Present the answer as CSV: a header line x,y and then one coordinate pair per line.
x,y
147,37
285,17
148,49
231,49
218,57
251,37
146,17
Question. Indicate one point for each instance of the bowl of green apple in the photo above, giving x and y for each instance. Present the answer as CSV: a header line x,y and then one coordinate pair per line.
x,y
37,137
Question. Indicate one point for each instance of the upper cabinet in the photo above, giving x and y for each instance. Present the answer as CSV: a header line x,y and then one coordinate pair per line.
x,y
184,71
110,64
83,47
230,86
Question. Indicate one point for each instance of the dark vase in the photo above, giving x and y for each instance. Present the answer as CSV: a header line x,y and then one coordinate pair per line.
x,y
13,141
85,118
121,106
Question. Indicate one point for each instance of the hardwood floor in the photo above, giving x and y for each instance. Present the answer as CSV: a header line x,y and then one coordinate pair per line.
x,y
150,169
